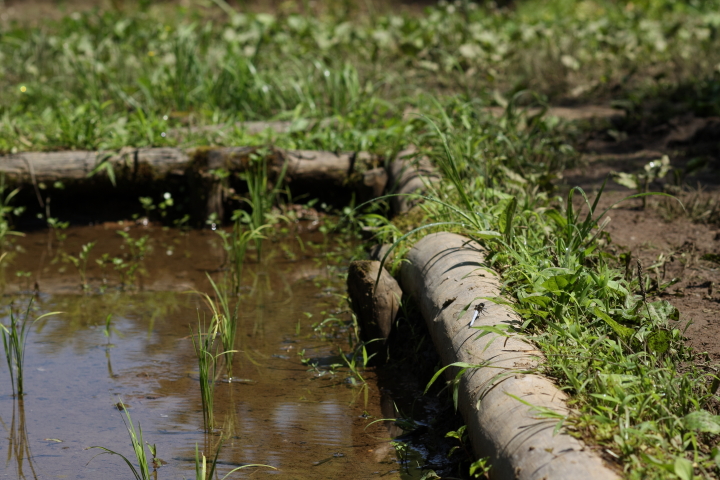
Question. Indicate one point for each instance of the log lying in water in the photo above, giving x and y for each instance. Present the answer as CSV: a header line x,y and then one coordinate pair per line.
x,y
446,274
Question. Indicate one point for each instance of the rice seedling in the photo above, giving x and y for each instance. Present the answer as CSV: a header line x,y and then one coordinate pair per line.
x,y
207,356
145,466
235,245
18,441
14,337
224,321
205,470
141,469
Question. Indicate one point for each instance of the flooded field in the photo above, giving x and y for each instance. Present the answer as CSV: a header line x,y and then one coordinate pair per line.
x,y
293,404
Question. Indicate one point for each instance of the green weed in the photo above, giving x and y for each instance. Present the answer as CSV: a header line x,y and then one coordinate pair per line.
x,y
128,265
80,263
7,212
615,350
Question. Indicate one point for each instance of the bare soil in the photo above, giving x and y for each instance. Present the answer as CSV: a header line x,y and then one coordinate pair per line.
x,y
668,242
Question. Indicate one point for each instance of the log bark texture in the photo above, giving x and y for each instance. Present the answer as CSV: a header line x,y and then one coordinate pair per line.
x,y
407,174
153,163
446,274
376,306
208,191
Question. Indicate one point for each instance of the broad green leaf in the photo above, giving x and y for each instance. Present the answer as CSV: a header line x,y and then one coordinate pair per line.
x,y
702,421
557,283
486,235
684,468
622,331
659,341
537,299
715,454
556,217
616,287
665,310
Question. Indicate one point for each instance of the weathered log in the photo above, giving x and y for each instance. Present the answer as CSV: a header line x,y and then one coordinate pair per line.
x,y
133,166
409,174
376,306
501,399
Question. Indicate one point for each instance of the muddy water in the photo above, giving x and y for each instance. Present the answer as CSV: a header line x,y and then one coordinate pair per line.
x,y
308,422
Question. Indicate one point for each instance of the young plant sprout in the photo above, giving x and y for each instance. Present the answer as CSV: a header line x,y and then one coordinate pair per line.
x,y
14,338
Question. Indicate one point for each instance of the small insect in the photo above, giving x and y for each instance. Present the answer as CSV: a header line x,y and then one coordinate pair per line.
x,y
479,308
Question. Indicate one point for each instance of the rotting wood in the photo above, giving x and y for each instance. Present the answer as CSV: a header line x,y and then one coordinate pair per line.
x,y
447,275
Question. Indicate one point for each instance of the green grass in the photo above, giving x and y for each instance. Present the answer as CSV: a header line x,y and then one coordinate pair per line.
x,y
107,79
14,338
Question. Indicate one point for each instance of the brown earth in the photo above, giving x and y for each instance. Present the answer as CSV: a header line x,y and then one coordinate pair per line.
x,y
669,242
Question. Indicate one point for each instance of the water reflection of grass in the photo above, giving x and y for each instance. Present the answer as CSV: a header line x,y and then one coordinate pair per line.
x,y
83,312
18,443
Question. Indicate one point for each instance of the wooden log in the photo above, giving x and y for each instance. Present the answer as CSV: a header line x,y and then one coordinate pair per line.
x,y
207,190
156,163
376,306
409,174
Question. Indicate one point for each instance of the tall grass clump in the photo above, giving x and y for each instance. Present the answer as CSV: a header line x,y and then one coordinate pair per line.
x,y
14,338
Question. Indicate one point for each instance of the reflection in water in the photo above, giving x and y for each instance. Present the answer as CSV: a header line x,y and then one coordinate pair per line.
x,y
18,444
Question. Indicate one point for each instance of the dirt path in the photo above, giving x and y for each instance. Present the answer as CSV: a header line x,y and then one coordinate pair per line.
x,y
666,240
